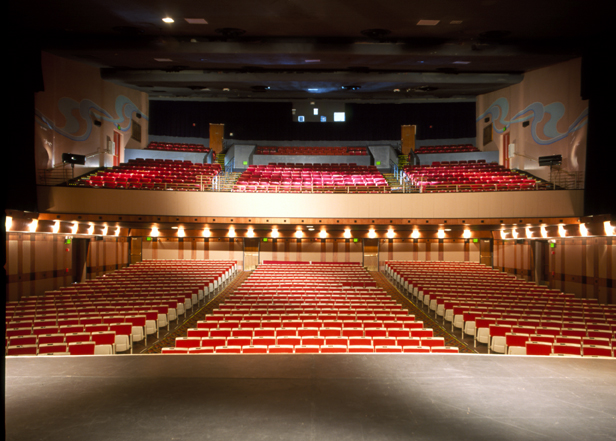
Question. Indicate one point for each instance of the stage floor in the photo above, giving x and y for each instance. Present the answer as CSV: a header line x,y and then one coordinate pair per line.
x,y
310,397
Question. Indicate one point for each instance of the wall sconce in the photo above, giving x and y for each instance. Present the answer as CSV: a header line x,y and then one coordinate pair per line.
x,y
371,233
544,231
206,232
275,233
250,232
514,233
231,232
56,226
91,229
466,234
561,231
415,234
609,229
181,232
154,232
8,223
583,230
323,234
74,228
347,233
503,234
32,226
105,230
391,234
299,234
529,233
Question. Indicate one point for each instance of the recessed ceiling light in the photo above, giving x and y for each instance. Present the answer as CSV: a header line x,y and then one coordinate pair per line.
x,y
163,59
168,20
196,20
428,22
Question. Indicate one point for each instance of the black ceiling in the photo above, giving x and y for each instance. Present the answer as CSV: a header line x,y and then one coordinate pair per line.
x,y
311,49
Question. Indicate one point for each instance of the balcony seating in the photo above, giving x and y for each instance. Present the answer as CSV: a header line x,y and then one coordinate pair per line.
x,y
456,148
312,178
154,174
309,151
462,176
177,147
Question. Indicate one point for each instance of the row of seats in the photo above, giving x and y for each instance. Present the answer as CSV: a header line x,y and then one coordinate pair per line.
x,y
455,148
73,348
178,147
312,349
468,177
343,151
504,312
154,175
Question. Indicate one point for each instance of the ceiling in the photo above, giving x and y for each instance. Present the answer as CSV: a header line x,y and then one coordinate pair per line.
x,y
315,49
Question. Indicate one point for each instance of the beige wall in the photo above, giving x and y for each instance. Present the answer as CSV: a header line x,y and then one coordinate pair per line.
x,y
550,87
193,248
262,205
69,86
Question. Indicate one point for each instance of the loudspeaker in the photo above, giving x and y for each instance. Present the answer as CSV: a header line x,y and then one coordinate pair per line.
x,y
550,160
71,158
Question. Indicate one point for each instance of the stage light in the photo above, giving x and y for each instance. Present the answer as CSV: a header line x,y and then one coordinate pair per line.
x,y
33,225
467,234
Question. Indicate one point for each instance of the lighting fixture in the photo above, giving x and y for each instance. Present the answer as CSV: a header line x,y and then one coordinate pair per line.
x,y
441,234
154,232
322,234
231,231
33,225
561,231
181,232
74,228
105,230
299,234
91,229
514,233
371,233
275,232
544,231
609,229
529,233
583,230
206,232
8,223
391,234
347,233
250,232
415,234
503,234
168,20
117,231
466,234
56,226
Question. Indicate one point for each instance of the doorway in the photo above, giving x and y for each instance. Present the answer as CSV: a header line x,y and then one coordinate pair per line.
x,y
135,250
79,259
371,254
251,253
117,139
486,250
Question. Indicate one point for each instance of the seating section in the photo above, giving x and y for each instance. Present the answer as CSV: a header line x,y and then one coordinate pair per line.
x,y
154,174
312,178
107,314
456,148
507,314
324,151
468,176
309,308
177,147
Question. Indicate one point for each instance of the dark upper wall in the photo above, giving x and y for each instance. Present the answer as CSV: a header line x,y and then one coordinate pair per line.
x,y
274,121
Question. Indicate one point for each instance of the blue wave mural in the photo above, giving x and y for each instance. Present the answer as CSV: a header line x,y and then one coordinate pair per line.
x,y
536,112
80,128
